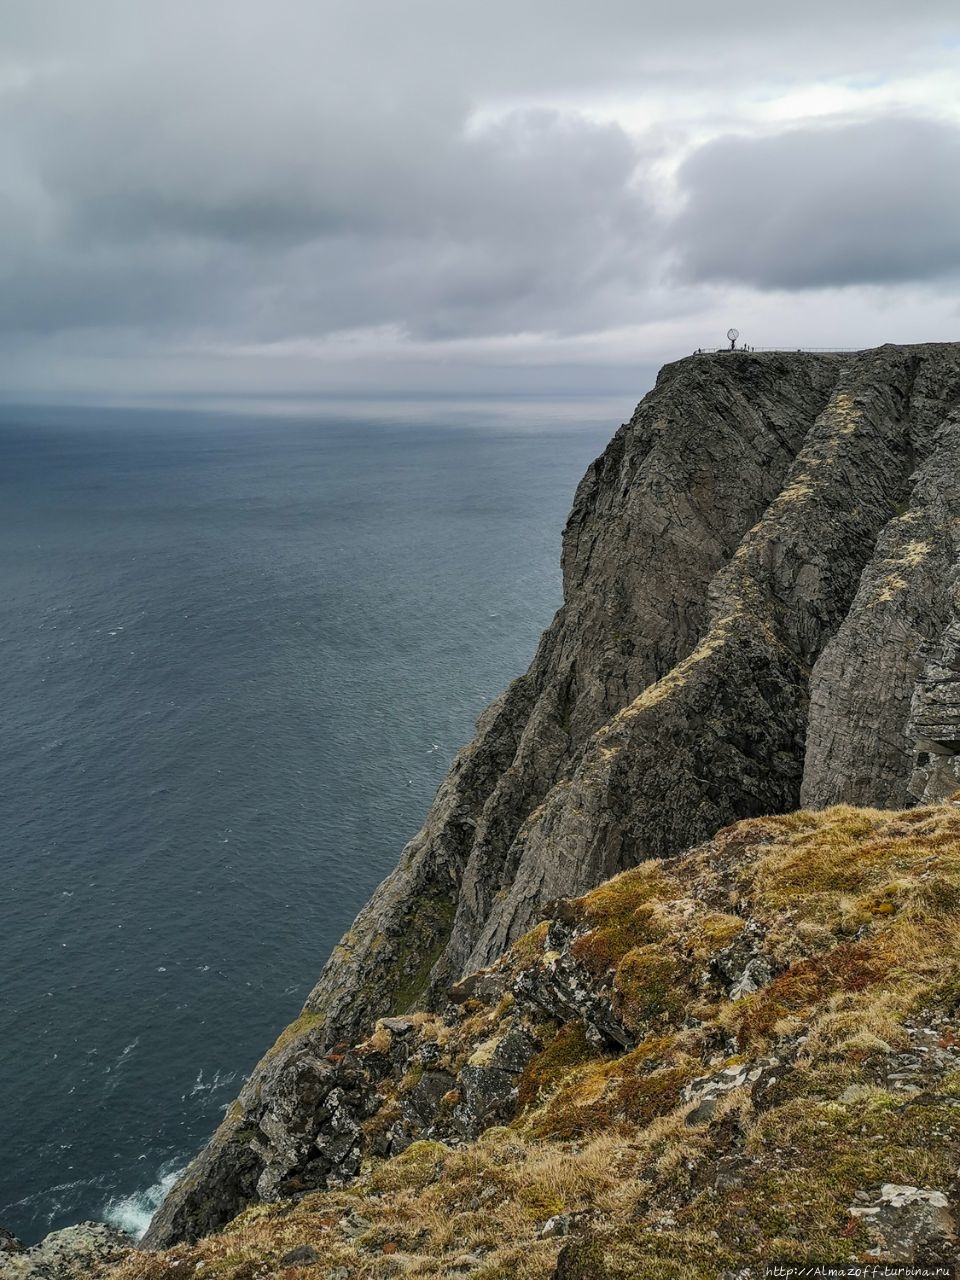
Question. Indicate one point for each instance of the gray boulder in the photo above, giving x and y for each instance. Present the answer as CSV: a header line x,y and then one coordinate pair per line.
x,y
70,1254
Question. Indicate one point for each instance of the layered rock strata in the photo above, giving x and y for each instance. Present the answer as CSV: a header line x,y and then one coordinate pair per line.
x,y
759,580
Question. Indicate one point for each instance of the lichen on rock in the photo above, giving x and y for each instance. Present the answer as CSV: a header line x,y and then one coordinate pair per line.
x,y
74,1253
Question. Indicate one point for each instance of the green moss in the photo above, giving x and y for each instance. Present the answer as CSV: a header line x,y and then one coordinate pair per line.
x,y
412,1170
529,948
607,944
938,895
568,1049
540,1202
649,985
848,968
811,1157
940,997
412,1078
717,930
665,1255
300,1026
409,972
629,1091
618,901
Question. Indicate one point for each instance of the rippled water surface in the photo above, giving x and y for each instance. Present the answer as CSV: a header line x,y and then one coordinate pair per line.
x,y
236,657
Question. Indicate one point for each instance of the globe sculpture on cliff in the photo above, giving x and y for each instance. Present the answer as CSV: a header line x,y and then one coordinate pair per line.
x,y
733,335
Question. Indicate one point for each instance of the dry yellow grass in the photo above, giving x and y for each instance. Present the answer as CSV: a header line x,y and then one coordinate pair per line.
x,y
859,911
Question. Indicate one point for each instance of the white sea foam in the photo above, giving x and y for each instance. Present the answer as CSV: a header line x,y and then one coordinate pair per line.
x,y
209,1086
129,1048
50,1201
132,1213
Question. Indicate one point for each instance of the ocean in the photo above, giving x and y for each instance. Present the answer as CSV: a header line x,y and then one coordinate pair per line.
x,y
237,655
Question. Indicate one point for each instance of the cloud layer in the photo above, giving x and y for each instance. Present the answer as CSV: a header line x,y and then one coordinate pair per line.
x,y
314,193
872,203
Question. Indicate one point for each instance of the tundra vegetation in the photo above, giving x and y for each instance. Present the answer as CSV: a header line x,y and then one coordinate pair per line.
x,y
745,1052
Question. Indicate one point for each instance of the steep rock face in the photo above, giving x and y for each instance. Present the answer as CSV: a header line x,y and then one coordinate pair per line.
x,y
935,717
655,518
860,739
721,736
761,517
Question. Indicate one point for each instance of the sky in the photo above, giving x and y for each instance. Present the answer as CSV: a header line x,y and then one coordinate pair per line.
x,y
205,200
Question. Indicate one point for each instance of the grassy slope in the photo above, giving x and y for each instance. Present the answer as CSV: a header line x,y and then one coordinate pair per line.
x,y
858,912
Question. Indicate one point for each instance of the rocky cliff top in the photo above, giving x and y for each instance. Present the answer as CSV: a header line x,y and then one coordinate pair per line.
x,y
760,608
747,1052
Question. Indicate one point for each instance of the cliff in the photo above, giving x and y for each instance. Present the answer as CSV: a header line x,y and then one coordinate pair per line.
x,y
760,608
744,1053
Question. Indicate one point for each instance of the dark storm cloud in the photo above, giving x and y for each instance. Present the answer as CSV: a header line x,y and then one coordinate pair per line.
x,y
874,203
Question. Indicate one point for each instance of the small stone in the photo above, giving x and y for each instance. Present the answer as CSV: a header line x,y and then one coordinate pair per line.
x,y
302,1255
756,975
562,1224
895,1194
397,1026
9,1242
703,1112
464,990
430,1053
907,1222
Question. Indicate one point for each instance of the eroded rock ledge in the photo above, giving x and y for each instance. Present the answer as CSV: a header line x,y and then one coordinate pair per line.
x,y
759,580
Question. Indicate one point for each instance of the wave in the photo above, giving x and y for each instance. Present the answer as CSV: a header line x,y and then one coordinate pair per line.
x,y
209,1086
132,1213
49,1202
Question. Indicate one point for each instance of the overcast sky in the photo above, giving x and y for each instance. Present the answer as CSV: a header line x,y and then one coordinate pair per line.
x,y
268,197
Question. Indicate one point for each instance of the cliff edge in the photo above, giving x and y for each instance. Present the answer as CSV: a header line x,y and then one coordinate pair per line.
x,y
760,608
746,1053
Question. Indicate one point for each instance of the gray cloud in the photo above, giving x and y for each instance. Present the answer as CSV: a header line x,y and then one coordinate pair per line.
x,y
238,172
292,225
370,49
872,203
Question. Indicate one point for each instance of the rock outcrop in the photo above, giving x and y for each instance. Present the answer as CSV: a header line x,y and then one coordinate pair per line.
x,y
75,1253
759,605
862,740
935,719
747,1052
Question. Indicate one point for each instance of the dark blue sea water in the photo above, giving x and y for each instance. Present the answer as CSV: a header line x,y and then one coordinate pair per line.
x,y
236,657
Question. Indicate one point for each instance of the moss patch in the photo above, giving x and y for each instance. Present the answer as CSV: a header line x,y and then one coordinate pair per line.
x,y
307,1021
568,1049
409,972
